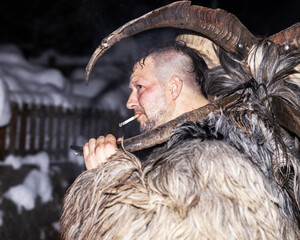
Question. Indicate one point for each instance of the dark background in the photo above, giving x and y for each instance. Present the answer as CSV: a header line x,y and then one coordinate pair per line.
x,y
76,27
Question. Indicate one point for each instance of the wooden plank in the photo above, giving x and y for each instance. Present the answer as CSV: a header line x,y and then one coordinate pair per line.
x,y
13,127
72,126
58,132
103,122
92,123
77,121
22,136
84,126
80,125
42,118
97,124
32,128
114,127
3,150
67,134
50,135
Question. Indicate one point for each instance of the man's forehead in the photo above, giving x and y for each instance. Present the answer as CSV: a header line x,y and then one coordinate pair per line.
x,y
155,58
142,66
142,63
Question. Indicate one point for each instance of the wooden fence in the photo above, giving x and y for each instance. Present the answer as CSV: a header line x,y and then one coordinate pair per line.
x,y
34,128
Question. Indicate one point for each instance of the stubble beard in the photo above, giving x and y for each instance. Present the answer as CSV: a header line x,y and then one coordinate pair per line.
x,y
158,117
153,121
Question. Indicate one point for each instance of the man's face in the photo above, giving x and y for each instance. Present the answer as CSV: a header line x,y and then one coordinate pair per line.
x,y
148,96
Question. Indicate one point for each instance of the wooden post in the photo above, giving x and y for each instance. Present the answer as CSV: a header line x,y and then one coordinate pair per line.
x,y
50,134
67,134
42,118
58,132
13,127
32,139
79,123
92,124
3,150
23,124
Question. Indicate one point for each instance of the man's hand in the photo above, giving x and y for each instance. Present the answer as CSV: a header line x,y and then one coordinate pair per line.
x,y
96,152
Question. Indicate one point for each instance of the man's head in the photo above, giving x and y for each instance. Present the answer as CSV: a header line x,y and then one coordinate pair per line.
x,y
166,83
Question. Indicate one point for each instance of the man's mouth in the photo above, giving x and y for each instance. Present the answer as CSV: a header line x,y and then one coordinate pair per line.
x,y
139,113
141,118
138,118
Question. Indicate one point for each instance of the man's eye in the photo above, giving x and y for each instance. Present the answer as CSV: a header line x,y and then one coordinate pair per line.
x,y
139,86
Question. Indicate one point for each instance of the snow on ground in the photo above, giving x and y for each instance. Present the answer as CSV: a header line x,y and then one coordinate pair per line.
x,y
5,112
36,183
41,160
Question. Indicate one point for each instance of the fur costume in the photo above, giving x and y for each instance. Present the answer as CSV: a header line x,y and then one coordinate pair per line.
x,y
226,197
234,175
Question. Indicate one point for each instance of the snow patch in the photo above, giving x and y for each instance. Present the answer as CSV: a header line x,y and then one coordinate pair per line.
x,y
5,112
42,160
13,161
36,183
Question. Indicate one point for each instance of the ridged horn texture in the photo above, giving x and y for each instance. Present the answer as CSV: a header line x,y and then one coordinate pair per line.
x,y
162,133
218,25
202,45
289,38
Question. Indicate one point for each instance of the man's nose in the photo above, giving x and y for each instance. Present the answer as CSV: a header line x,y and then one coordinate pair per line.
x,y
132,101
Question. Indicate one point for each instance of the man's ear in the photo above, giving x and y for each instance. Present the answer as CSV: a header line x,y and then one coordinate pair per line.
x,y
175,86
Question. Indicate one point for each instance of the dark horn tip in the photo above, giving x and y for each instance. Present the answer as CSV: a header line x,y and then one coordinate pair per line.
x,y
87,76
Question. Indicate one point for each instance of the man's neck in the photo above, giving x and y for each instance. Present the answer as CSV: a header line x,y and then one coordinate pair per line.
x,y
188,104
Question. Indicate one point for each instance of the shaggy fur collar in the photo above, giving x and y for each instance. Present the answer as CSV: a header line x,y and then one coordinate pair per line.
x,y
257,144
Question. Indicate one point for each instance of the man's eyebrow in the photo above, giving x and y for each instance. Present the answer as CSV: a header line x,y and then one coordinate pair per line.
x,y
131,83
135,79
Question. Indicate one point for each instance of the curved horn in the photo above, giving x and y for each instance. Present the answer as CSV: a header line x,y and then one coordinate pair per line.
x,y
289,38
162,133
218,25
286,115
202,45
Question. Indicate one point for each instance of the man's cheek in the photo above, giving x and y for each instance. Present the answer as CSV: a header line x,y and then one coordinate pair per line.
x,y
144,103
142,119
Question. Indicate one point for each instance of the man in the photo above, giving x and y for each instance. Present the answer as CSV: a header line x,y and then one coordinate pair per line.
x,y
164,84
220,177
233,174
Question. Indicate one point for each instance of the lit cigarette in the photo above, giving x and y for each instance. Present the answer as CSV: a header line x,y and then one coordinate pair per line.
x,y
129,120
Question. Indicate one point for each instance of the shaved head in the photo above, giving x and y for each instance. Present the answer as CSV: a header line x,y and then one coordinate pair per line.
x,y
170,63
179,60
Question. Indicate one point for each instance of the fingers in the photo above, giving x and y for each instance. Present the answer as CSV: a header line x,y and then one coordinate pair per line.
x,y
110,139
100,140
88,153
97,151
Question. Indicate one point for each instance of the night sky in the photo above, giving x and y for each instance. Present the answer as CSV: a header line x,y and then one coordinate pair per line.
x,y
76,27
